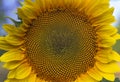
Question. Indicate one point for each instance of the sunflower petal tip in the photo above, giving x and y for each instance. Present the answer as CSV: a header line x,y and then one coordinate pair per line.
x,y
116,36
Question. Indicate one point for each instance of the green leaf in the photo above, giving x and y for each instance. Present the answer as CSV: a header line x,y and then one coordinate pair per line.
x,y
116,80
1,52
21,3
17,23
104,80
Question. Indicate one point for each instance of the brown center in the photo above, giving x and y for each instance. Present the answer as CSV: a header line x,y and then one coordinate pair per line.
x,y
61,45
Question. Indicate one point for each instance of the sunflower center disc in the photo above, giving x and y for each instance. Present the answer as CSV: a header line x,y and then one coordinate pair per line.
x,y
60,46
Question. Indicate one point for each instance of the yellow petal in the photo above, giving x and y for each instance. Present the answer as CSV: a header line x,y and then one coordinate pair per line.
x,y
21,14
13,40
49,4
12,30
92,6
7,80
40,80
99,9
42,5
13,64
12,55
77,3
112,67
107,30
23,28
106,41
106,56
37,80
104,18
108,76
4,45
94,74
32,78
28,2
23,71
116,36
56,3
9,28
114,56
11,74
29,12
38,4
85,78
102,58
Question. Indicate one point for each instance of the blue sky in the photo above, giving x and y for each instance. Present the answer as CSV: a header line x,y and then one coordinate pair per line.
x,y
116,5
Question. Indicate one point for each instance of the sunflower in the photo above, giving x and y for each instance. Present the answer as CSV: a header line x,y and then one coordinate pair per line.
x,y
61,41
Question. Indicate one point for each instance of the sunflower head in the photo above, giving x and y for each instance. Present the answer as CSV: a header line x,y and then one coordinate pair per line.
x,y
61,41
